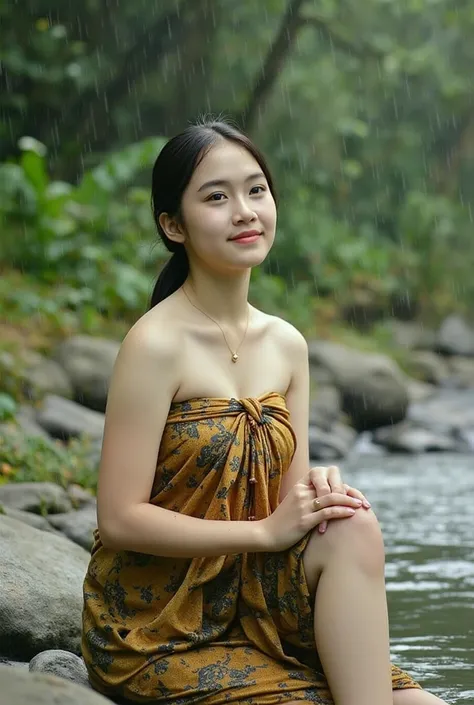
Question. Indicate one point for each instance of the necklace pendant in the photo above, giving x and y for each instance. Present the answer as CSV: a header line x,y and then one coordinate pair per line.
x,y
235,357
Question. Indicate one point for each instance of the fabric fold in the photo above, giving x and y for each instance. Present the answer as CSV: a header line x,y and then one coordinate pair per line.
x,y
218,629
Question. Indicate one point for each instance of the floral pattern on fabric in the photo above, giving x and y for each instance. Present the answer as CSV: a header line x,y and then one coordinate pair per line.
x,y
227,629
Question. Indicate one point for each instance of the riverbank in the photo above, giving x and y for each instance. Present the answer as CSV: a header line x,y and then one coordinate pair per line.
x,y
362,402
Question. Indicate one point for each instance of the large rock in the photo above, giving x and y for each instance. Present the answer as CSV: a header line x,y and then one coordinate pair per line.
x,y
66,419
449,409
408,437
456,337
411,335
332,444
462,372
20,687
26,420
62,664
89,363
35,520
41,600
325,408
372,386
77,526
429,367
37,497
43,376
80,497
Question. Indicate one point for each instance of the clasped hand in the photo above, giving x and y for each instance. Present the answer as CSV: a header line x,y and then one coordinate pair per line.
x,y
326,480
315,499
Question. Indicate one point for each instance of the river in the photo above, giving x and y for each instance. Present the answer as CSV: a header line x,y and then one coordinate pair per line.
x,y
426,508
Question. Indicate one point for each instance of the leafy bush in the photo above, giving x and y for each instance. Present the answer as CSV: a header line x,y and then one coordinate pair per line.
x,y
8,407
35,459
93,241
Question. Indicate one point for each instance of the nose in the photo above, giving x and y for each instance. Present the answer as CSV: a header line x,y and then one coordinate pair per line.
x,y
243,213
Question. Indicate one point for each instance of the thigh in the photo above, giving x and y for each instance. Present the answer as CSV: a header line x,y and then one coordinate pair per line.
x,y
413,696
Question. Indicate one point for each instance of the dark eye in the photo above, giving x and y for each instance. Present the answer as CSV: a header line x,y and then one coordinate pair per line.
x,y
257,189
216,197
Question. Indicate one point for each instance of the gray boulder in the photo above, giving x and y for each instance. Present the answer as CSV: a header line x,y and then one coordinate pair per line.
x,y
448,409
35,520
89,363
62,664
462,372
372,386
20,687
65,419
456,337
41,600
331,444
408,437
26,420
429,367
78,526
43,376
36,497
325,408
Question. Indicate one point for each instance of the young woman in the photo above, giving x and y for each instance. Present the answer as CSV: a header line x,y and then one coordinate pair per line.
x,y
213,578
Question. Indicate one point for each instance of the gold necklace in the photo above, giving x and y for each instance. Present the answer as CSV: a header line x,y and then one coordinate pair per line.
x,y
234,353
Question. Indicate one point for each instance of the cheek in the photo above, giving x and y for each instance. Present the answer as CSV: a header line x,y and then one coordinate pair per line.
x,y
269,216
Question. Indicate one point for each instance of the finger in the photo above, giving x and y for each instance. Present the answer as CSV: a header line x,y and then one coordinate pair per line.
x,y
335,480
335,499
322,527
329,513
319,480
352,492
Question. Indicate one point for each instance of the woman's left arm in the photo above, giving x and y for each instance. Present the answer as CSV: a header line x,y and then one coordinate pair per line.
x,y
324,479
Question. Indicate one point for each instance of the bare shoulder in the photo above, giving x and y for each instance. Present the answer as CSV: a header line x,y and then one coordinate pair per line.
x,y
286,335
154,335
149,355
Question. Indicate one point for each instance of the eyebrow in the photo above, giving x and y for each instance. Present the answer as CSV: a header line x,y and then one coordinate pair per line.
x,y
223,182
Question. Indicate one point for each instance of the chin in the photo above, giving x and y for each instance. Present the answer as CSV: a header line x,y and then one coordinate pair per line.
x,y
251,259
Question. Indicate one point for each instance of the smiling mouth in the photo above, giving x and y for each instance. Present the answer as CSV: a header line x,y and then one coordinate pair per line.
x,y
248,236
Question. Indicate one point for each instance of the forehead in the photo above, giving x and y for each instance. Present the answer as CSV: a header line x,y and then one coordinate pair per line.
x,y
227,161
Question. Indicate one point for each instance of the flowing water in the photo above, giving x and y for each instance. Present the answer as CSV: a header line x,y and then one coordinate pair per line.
x,y
426,507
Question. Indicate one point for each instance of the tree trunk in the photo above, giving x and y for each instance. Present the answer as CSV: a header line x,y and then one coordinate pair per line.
x,y
272,65
87,122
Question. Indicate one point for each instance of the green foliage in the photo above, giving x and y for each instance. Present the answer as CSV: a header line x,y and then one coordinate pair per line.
x,y
95,239
8,407
26,458
367,119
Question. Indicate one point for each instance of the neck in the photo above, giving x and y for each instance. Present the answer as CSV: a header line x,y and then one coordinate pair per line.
x,y
224,298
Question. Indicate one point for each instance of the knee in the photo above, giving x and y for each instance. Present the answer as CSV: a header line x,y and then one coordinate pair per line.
x,y
358,539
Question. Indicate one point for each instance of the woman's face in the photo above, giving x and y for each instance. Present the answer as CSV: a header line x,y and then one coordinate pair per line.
x,y
227,196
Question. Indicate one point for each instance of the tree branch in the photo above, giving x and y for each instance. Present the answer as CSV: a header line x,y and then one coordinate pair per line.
x,y
89,116
290,23
364,51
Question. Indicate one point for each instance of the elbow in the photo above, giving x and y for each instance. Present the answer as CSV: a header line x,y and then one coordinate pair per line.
x,y
110,536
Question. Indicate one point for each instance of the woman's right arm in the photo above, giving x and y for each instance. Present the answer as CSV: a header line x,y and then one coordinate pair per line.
x,y
144,382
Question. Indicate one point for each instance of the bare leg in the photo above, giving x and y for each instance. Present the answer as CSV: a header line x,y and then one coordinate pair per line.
x,y
415,697
345,567
405,697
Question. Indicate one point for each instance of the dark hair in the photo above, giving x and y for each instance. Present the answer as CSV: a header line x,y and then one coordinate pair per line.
x,y
172,172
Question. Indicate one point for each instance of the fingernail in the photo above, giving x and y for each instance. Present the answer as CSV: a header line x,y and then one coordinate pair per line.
x,y
352,511
321,529
358,502
367,504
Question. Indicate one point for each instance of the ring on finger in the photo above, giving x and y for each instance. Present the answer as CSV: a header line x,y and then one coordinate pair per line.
x,y
316,504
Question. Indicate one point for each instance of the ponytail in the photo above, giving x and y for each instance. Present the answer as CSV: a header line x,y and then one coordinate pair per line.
x,y
172,276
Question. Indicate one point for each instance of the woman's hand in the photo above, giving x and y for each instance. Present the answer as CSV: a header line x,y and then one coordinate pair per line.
x,y
326,480
301,511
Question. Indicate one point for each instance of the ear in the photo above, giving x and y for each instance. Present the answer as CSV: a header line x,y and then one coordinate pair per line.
x,y
172,228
